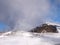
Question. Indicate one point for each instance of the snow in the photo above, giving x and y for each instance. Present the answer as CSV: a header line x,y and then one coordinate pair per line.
x,y
49,23
27,38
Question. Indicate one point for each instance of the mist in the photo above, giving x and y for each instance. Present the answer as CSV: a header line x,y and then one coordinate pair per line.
x,y
24,14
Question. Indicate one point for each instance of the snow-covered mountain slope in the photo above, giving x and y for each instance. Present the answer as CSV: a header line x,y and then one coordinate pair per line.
x,y
27,38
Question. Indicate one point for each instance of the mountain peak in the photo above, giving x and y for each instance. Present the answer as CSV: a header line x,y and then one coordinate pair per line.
x,y
45,28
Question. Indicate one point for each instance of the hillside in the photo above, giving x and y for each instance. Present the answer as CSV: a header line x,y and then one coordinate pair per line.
x,y
30,38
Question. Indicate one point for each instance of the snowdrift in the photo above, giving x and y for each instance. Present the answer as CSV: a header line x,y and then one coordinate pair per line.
x,y
27,38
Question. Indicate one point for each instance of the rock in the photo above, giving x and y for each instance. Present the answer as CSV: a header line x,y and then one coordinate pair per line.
x,y
45,28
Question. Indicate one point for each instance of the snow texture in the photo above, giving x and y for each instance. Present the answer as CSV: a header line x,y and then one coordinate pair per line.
x,y
27,38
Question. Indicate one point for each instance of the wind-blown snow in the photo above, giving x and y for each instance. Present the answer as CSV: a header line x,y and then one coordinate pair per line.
x,y
23,14
27,38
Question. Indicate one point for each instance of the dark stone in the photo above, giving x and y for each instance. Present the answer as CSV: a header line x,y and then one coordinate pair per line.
x,y
45,28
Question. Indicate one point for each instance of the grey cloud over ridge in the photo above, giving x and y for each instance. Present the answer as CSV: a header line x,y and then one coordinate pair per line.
x,y
24,14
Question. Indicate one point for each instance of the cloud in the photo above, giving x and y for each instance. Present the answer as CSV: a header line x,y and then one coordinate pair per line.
x,y
24,14
34,13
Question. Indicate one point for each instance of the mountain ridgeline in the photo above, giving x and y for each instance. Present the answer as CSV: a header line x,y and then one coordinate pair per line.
x,y
45,28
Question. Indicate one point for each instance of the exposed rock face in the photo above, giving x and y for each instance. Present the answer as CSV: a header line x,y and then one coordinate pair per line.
x,y
45,28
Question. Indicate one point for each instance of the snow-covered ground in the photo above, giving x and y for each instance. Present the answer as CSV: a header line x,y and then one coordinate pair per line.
x,y
27,38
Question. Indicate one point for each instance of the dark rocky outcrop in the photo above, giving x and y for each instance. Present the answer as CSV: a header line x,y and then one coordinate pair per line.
x,y
44,28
